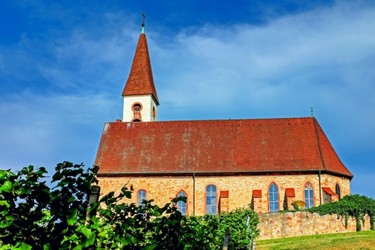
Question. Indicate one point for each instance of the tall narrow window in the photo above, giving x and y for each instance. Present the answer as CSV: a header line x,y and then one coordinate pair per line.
x,y
338,192
273,193
141,196
309,195
181,205
211,199
137,116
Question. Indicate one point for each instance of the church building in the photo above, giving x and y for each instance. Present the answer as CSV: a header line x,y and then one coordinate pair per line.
x,y
218,165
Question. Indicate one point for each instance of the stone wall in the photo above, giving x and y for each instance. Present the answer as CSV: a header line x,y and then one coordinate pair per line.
x,y
238,189
279,225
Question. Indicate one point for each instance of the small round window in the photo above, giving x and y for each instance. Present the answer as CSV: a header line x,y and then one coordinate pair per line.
x,y
137,107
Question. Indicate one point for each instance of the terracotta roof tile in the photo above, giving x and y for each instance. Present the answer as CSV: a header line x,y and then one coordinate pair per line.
x,y
217,146
140,80
329,191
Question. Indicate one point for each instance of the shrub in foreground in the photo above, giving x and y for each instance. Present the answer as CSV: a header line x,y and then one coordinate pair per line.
x,y
34,215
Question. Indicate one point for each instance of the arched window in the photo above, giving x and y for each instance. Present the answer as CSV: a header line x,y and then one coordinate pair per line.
x,y
309,195
137,107
211,199
141,196
153,112
273,193
338,192
181,205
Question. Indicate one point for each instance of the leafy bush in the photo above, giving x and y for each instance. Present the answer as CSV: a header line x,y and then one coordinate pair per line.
x,y
35,216
242,226
207,232
32,213
356,206
202,232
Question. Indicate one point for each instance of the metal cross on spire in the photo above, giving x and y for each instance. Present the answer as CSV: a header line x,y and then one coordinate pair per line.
x,y
143,19
143,22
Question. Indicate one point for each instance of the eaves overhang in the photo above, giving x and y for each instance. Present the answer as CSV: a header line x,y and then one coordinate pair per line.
x,y
222,173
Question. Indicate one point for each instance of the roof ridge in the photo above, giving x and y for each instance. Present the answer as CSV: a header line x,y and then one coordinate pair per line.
x,y
232,120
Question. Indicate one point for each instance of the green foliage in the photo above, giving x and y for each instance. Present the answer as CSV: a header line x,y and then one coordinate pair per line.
x,y
356,206
242,226
34,215
208,231
202,232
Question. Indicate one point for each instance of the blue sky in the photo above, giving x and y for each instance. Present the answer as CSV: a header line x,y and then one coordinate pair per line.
x,y
63,65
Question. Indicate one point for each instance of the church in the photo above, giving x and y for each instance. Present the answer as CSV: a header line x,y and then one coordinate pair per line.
x,y
218,165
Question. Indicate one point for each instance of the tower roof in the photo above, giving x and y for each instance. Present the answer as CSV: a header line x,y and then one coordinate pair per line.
x,y
140,80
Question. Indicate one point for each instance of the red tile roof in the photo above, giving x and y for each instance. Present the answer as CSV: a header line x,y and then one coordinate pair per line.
x,y
253,146
289,192
140,80
257,193
329,191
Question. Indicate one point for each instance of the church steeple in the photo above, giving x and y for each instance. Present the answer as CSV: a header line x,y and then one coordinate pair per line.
x,y
140,97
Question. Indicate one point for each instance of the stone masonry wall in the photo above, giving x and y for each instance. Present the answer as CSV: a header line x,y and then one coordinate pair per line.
x,y
279,225
163,189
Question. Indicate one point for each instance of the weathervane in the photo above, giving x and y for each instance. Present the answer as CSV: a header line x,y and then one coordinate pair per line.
x,y
312,111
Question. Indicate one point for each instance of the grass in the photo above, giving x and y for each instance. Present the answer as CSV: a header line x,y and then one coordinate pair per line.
x,y
339,241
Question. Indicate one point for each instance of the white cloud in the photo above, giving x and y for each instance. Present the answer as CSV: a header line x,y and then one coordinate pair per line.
x,y
323,58
43,130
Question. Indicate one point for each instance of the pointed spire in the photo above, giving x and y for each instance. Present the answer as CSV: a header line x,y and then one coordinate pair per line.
x,y
140,80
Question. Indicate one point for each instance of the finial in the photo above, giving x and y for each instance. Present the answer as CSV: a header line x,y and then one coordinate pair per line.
x,y
312,111
143,22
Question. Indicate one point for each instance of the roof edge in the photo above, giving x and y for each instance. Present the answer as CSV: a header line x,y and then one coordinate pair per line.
x,y
318,144
230,119
255,173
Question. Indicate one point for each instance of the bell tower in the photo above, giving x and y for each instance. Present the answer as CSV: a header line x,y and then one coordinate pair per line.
x,y
140,100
